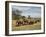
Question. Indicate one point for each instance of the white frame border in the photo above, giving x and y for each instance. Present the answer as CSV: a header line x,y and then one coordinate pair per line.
x,y
28,31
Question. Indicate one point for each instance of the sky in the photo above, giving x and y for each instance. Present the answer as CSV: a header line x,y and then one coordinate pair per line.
x,y
33,11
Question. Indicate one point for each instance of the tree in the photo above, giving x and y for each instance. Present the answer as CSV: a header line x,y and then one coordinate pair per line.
x,y
16,14
29,17
23,17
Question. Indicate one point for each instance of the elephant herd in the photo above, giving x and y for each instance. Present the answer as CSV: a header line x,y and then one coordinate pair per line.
x,y
25,22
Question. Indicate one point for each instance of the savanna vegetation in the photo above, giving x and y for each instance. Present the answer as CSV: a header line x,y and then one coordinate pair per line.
x,y
24,23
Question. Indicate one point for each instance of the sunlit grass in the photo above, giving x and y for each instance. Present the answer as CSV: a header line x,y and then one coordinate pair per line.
x,y
35,26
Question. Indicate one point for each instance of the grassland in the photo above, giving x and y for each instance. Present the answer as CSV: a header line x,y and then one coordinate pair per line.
x,y
35,26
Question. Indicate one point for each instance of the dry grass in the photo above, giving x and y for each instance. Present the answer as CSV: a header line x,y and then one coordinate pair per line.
x,y
35,26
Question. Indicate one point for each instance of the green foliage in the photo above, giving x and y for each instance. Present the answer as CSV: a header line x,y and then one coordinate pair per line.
x,y
23,17
29,17
16,17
